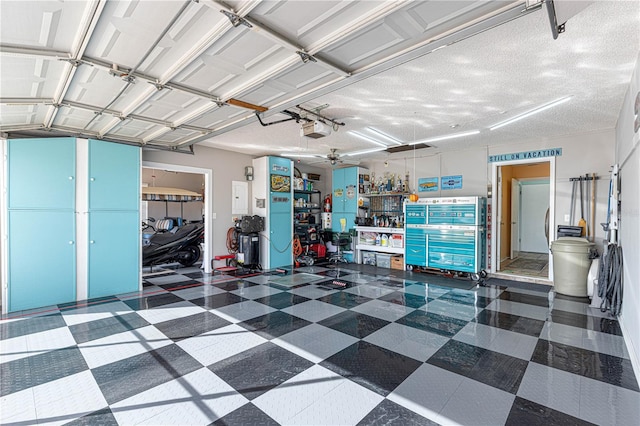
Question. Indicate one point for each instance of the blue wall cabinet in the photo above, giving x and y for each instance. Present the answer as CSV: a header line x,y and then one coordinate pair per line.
x,y
41,258
114,219
53,204
41,234
114,176
346,187
113,254
42,173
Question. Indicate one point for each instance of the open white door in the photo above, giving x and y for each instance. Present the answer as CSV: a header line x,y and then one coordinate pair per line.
x,y
515,217
498,214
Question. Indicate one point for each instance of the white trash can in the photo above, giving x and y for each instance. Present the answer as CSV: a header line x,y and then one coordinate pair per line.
x,y
571,263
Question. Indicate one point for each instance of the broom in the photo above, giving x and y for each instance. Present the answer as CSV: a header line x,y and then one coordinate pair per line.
x,y
582,223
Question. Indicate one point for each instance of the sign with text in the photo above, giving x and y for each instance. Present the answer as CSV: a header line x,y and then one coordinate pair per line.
x,y
527,155
451,182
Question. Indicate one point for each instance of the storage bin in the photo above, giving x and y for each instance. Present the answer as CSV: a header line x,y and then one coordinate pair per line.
x,y
383,260
397,262
368,258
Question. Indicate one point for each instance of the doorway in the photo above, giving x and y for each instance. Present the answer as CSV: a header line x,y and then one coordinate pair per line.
x,y
207,210
524,204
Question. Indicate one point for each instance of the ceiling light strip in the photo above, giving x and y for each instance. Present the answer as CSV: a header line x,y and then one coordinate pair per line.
x,y
530,113
295,155
385,136
442,138
367,151
367,138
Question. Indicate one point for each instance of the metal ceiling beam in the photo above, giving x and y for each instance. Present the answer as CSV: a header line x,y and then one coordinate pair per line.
x,y
26,101
32,52
269,33
120,117
90,20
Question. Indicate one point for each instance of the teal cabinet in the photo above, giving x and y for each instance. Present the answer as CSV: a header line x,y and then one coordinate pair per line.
x,y
345,194
114,219
41,173
41,258
114,263
114,176
51,183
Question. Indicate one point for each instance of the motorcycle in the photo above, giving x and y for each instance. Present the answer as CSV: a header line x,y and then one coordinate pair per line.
x,y
181,246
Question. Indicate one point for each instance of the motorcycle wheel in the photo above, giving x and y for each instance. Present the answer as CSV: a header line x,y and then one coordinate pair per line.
x,y
189,256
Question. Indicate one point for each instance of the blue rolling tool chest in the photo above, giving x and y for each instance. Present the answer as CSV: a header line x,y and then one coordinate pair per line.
x,y
446,233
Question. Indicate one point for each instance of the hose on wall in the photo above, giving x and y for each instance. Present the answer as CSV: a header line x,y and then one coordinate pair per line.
x,y
610,280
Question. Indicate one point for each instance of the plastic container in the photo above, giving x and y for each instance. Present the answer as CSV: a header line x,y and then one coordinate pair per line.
x,y
368,258
384,240
383,260
571,263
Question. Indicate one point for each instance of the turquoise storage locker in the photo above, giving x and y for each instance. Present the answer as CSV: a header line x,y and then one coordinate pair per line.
x,y
114,176
345,195
41,244
114,263
114,219
41,174
41,258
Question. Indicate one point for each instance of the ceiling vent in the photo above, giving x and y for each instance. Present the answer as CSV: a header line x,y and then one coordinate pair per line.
x,y
315,130
402,148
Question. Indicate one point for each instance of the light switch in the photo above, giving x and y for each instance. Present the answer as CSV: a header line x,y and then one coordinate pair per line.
x,y
566,218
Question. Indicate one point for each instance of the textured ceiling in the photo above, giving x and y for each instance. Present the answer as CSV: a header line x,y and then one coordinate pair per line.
x,y
171,74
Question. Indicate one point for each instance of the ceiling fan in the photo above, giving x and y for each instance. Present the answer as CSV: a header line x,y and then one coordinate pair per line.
x,y
334,159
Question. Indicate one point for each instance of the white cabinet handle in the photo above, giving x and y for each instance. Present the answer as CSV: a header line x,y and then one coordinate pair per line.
x,y
92,179
91,242
70,177
71,242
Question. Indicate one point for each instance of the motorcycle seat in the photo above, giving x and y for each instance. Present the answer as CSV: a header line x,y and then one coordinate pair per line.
x,y
167,237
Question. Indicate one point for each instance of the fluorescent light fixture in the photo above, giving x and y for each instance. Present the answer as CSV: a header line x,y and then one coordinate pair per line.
x,y
385,136
366,138
442,138
368,151
293,154
530,113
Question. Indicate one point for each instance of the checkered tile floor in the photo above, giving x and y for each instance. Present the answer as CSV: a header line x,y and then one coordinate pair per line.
x,y
367,347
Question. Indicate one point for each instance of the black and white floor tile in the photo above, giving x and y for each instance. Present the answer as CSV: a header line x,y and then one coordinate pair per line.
x,y
349,346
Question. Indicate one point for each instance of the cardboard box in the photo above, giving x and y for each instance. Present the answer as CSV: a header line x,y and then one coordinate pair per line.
x,y
397,262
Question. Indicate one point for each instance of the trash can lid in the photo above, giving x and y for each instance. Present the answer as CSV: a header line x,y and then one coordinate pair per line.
x,y
572,245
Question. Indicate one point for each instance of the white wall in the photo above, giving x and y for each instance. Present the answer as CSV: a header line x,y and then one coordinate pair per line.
x,y
628,156
227,166
581,153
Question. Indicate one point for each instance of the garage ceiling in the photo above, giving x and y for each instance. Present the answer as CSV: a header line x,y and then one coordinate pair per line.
x,y
171,74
